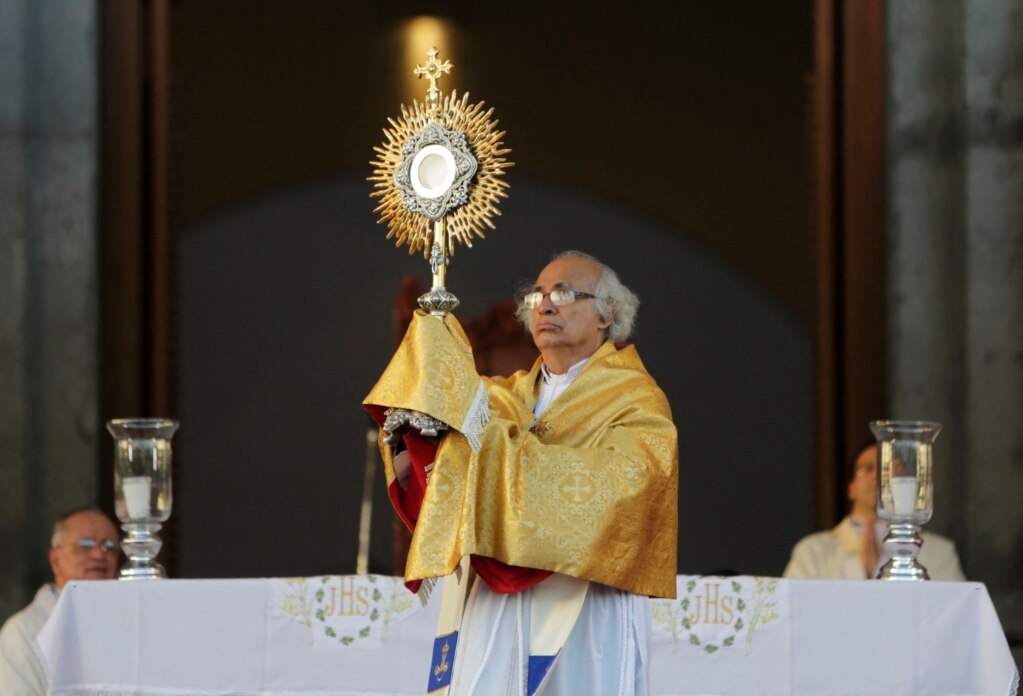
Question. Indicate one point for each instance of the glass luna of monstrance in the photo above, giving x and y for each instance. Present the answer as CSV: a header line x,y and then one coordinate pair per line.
x,y
142,490
905,492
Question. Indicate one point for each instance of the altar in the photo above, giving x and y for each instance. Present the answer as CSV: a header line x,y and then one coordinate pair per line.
x,y
366,635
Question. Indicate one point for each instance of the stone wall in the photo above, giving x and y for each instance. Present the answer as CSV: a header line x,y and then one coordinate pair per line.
x,y
955,268
49,322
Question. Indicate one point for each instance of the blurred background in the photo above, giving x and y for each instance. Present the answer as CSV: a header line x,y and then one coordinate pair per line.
x,y
818,202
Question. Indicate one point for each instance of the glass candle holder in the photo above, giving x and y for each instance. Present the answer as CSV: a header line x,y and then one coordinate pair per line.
x,y
142,490
905,492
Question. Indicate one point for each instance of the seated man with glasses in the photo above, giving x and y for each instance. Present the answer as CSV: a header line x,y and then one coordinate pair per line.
x,y
549,506
84,546
853,550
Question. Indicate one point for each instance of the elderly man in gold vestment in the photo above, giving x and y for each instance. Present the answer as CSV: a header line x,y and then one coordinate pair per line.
x,y
549,506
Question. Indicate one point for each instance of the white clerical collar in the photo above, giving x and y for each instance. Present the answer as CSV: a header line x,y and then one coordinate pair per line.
x,y
554,380
552,385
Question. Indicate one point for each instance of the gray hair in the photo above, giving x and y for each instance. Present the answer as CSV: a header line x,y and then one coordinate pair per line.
x,y
58,526
613,300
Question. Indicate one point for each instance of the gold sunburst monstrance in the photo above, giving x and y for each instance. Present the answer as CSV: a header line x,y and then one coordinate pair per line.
x,y
439,176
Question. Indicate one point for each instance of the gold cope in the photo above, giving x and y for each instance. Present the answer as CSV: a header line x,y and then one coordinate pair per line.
x,y
592,493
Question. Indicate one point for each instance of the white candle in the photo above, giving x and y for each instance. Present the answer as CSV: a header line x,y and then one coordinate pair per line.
x,y
136,496
904,490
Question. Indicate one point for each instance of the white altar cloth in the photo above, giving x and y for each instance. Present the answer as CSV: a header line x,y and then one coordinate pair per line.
x,y
365,635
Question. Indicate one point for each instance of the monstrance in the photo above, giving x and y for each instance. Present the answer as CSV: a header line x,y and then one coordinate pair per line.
x,y
439,177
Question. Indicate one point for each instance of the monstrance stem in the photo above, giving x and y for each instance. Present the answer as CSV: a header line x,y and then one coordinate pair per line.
x,y
438,301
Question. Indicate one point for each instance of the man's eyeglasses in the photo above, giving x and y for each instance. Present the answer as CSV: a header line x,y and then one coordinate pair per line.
x,y
86,544
559,297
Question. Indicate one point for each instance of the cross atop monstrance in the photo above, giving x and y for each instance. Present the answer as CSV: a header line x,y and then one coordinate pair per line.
x,y
439,176
432,70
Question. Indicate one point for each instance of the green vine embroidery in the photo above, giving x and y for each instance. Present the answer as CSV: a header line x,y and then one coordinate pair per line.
x,y
313,604
296,603
680,619
676,616
764,610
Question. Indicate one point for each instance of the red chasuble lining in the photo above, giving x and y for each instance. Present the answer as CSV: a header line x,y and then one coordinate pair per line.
x,y
501,577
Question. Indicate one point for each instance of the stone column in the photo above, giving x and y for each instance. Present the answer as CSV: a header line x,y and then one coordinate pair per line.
x,y
49,369
994,300
955,268
925,217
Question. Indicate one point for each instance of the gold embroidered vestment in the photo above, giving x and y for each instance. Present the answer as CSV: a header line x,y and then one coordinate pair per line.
x,y
589,490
